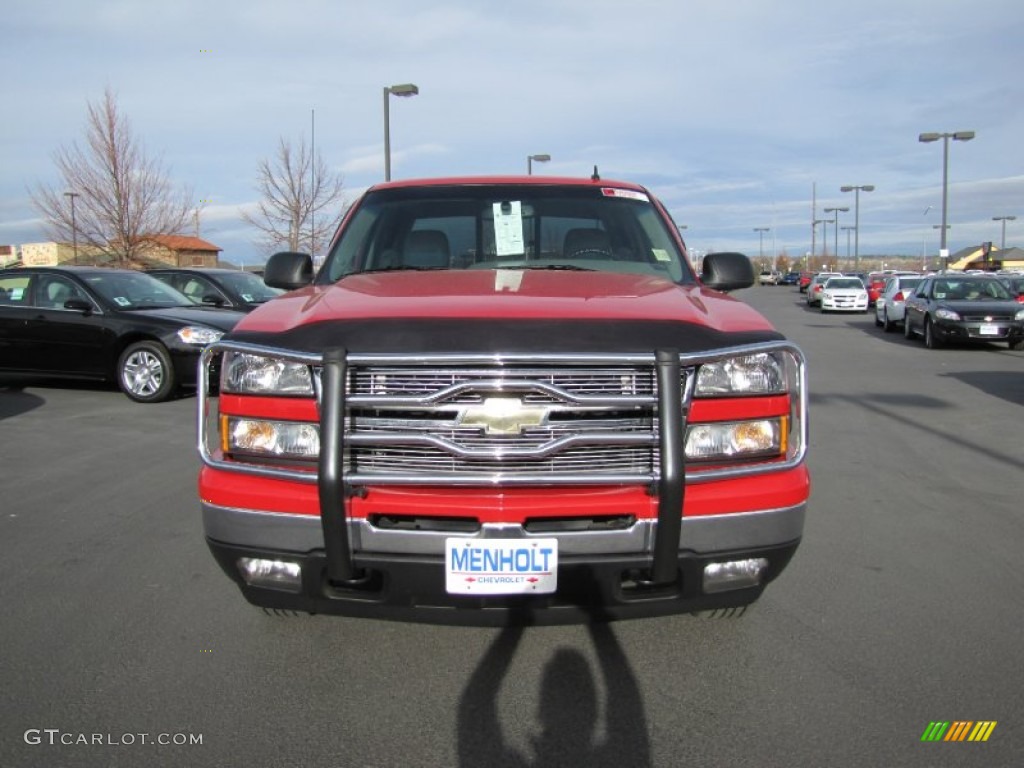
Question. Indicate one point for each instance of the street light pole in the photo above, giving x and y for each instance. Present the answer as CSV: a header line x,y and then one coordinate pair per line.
x,y
760,248
856,189
824,236
405,89
956,136
531,159
1004,219
74,225
837,211
847,230
824,243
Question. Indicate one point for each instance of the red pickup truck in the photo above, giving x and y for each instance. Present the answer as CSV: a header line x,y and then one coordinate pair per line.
x,y
505,399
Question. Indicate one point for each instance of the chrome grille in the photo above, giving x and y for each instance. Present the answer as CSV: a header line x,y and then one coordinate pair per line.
x,y
426,421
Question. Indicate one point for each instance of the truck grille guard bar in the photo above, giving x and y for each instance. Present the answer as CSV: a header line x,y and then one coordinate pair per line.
x,y
669,482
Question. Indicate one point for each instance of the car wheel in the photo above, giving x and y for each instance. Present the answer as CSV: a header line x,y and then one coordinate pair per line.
x,y
145,372
878,320
1017,344
887,324
908,331
931,340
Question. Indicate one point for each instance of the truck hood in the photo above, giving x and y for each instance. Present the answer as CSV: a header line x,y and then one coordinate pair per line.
x,y
504,310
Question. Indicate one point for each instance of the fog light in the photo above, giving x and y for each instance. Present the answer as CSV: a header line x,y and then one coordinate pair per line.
x,y
271,574
735,574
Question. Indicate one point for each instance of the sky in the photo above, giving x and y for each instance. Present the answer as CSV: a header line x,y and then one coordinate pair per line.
x,y
737,115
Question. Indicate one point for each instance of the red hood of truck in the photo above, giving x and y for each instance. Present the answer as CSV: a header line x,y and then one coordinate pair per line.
x,y
533,294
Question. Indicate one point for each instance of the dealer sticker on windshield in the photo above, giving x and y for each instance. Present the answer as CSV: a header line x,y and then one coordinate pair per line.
x,y
501,566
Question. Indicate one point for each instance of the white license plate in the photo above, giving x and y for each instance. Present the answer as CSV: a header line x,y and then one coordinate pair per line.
x,y
989,330
501,566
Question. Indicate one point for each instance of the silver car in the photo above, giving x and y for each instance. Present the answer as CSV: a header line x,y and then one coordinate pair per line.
x,y
889,310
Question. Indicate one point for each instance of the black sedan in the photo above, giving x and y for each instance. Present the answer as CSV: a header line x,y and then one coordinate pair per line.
x,y
105,324
230,288
962,307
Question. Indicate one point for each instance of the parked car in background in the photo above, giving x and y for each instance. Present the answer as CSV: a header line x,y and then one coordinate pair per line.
x,y
890,304
961,307
1016,285
843,294
804,281
790,278
815,286
875,285
770,277
105,324
227,288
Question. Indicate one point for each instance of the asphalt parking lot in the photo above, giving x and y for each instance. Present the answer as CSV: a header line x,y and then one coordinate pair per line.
x,y
124,645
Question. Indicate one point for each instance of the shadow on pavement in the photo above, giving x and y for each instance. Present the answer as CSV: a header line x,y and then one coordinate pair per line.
x,y
14,401
567,710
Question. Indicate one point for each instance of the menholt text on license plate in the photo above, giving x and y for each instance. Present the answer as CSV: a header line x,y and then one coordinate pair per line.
x,y
501,566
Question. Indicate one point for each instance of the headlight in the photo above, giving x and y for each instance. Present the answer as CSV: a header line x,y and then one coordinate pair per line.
x,y
199,335
256,375
279,439
759,374
736,440
946,314
1019,315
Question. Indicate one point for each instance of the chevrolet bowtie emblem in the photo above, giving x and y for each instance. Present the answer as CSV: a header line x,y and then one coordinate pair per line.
x,y
503,416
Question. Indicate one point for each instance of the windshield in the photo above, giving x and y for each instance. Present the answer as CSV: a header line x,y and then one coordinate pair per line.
x,y
135,290
970,289
249,286
844,283
496,226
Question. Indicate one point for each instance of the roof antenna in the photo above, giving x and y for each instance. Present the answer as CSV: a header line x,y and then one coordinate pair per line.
x,y
596,176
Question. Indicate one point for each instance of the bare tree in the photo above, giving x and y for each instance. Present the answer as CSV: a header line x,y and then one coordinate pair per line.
x,y
124,198
300,200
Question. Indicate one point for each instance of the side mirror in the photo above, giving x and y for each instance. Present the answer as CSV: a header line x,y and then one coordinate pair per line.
x,y
727,271
288,270
79,305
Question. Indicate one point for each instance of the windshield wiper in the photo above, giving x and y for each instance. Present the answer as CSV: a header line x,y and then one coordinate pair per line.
x,y
396,268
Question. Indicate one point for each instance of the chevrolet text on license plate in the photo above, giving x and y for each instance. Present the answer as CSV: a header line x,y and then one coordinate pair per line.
x,y
501,566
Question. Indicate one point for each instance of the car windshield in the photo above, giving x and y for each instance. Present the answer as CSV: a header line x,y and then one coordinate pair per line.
x,y
249,286
508,226
135,290
970,289
844,283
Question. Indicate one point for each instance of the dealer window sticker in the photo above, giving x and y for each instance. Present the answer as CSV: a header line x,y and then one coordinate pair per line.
x,y
247,297
508,228
660,254
121,301
629,194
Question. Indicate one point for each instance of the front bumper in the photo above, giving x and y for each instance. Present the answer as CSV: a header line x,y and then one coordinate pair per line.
x,y
402,573
970,331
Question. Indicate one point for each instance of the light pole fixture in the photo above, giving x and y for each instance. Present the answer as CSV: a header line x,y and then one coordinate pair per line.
x,y
1004,219
531,159
856,189
956,136
74,226
760,236
405,89
837,211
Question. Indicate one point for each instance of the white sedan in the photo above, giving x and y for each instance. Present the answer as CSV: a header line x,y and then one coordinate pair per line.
x,y
889,307
844,294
